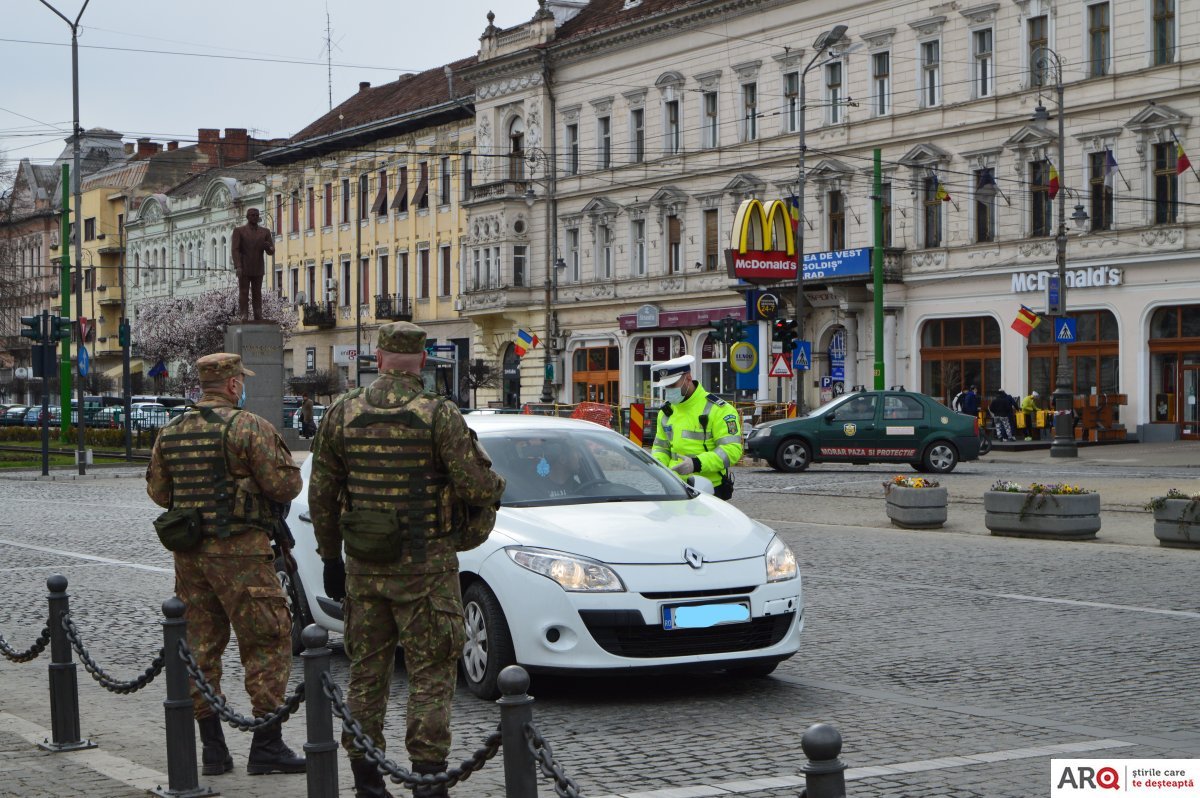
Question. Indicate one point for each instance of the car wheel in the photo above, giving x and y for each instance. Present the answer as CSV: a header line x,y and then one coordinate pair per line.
x,y
489,647
297,604
793,455
985,444
941,457
754,670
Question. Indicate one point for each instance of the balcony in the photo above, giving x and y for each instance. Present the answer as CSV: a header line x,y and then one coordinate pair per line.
x,y
321,315
392,307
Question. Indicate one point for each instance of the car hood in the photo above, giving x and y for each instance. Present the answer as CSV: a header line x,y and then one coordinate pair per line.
x,y
638,532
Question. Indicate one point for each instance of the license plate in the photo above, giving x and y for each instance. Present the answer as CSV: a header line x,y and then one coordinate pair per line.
x,y
703,616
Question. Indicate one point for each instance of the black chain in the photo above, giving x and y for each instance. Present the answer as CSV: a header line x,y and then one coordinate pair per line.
x,y
275,717
106,681
398,774
28,654
563,786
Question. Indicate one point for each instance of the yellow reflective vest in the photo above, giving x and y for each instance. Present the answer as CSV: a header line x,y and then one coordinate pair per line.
x,y
702,426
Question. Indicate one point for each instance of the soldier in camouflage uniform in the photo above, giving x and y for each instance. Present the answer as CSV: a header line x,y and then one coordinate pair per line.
x,y
218,466
399,478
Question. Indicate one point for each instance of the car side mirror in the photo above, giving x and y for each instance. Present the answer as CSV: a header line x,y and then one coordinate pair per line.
x,y
702,484
829,417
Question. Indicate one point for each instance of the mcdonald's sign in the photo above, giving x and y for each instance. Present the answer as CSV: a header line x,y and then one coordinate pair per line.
x,y
762,246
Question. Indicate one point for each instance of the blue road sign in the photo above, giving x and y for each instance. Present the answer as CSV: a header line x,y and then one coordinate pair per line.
x,y
1053,306
83,361
1064,331
827,382
802,356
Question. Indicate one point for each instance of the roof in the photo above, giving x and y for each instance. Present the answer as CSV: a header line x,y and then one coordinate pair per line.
x,y
246,172
602,15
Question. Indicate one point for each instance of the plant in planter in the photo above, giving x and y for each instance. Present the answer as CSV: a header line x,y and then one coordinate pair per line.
x,y
915,502
1042,510
1176,518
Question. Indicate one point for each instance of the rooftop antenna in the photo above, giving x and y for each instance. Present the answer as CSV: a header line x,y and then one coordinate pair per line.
x,y
330,44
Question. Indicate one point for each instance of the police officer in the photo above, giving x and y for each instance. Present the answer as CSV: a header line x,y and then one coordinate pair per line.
x,y
696,432
399,479
217,468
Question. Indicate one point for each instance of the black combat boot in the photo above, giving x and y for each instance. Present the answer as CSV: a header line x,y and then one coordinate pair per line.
x,y
368,781
430,768
215,754
270,754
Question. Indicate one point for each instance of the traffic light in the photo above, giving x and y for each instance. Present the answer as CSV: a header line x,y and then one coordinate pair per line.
x,y
784,332
123,333
60,328
31,327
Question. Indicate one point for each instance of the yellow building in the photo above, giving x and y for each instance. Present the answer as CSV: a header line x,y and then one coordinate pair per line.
x,y
366,204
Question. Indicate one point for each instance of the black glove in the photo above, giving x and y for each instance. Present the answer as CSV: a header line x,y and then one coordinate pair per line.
x,y
335,578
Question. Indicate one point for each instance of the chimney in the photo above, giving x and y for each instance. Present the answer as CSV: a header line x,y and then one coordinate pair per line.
x,y
363,85
129,148
237,145
146,148
172,146
208,144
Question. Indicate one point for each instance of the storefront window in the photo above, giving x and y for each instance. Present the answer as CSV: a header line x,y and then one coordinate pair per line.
x,y
1092,361
647,352
715,373
596,375
1175,368
957,353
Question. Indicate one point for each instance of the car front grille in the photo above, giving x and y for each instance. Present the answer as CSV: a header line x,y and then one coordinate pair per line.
x,y
623,633
689,594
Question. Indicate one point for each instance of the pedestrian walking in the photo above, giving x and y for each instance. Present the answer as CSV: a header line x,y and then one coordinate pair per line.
x,y
696,432
400,480
1029,406
1001,410
219,469
969,404
307,427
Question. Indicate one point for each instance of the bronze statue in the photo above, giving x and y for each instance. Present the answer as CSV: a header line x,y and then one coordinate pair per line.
x,y
250,243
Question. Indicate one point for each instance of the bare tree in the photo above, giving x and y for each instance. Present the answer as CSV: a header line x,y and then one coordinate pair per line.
x,y
479,374
318,383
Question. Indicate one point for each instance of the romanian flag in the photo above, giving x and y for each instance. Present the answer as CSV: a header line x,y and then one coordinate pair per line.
x,y
1052,189
1026,320
1182,164
940,191
793,206
525,341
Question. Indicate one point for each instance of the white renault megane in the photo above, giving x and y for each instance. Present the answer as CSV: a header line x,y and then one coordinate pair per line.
x,y
601,560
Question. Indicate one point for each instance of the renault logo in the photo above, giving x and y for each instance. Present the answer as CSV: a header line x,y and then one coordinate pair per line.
x,y
693,558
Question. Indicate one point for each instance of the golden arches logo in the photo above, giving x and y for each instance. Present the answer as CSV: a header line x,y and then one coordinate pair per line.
x,y
763,228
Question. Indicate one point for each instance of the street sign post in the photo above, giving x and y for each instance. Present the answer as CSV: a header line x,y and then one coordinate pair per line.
x,y
1053,297
780,366
802,356
1064,331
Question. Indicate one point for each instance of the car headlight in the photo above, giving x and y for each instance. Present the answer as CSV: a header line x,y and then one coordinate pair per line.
x,y
781,563
760,432
574,574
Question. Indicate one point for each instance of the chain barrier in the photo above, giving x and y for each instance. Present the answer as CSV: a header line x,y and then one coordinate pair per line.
x,y
106,681
563,786
28,654
275,717
491,745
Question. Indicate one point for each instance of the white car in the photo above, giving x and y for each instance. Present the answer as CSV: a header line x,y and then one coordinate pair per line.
x,y
601,560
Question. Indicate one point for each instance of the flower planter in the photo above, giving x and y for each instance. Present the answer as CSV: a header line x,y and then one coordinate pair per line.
x,y
916,508
1029,515
1177,523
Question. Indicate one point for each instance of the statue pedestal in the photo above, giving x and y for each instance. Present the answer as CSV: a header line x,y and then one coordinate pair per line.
x,y
261,348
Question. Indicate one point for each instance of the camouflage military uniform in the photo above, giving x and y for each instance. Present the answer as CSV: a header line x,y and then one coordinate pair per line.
x,y
398,449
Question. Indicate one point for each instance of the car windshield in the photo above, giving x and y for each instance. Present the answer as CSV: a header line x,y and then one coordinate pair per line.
x,y
558,466
830,405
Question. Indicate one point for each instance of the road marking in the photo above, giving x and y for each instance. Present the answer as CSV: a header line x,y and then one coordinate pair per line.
x,y
874,771
91,557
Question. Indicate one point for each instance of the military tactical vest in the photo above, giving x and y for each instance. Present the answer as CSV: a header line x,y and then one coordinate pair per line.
x,y
194,449
396,496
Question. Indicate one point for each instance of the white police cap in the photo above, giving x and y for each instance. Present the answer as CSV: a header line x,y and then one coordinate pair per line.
x,y
668,372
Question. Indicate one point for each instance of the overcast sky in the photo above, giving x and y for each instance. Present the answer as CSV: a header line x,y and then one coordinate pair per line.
x,y
169,96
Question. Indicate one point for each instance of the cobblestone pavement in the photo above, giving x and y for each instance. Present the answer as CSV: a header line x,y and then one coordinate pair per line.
x,y
954,663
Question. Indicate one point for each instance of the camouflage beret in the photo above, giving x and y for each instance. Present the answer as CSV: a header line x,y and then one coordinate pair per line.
x,y
402,337
221,366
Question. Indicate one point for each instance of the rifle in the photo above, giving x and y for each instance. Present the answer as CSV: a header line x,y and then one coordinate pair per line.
x,y
282,540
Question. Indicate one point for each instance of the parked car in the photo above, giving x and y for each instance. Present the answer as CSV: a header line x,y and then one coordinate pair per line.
x,y
148,415
107,418
14,416
870,427
33,416
601,560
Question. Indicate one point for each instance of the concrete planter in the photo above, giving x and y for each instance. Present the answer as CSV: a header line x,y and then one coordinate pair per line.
x,y
1025,515
1177,523
916,508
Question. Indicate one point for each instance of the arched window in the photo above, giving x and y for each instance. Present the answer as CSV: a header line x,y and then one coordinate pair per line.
x,y
516,157
958,353
164,263
137,268
182,265
222,252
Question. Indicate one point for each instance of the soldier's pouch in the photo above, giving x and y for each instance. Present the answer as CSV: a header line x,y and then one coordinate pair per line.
x,y
372,535
179,529
477,525
449,632
264,612
249,505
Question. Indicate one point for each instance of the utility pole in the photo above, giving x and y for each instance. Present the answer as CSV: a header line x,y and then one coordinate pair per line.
x,y
877,269
64,283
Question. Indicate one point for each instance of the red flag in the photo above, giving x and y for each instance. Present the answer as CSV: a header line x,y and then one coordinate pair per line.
x,y
1053,188
1026,320
1182,164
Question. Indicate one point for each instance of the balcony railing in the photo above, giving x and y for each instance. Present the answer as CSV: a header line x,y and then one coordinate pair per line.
x,y
320,314
393,307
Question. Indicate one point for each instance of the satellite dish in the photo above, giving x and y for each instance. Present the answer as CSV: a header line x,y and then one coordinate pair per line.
x,y
21,372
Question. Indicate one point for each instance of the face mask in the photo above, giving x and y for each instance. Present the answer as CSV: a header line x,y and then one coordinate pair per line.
x,y
242,400
674,395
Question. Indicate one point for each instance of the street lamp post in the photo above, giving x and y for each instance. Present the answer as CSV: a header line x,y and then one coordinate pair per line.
x,y
533,157
823,43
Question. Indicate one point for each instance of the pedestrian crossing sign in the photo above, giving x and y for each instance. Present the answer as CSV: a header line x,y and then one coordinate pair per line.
x,y
1064,331
802,356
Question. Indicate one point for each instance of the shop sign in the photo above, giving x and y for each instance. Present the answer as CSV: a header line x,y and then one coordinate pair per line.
x,y
837,356
347,355
837,263
647,316
1095,277
823,299
762,244
743,357
767,305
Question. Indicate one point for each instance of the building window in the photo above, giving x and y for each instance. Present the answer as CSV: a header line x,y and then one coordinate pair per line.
x,y
310,283
1092,361
519,258
985,205
1039,41
638,227
468,175
981,43
604,259
1099,41
674,245
1039,198
295,198
637,129
1166,184
791,102
712,241
444,275
672,126
310,198
363,202
596,373
749,111
648,352
1164,32
382,277
716,372
278,215
958,353
833,92
402,275
421,196
572,147
327,205
573,255
444,181
887,214
423,273
380,207
89,229
400,202
604,141
516,156
711,133
881,83
345,215
364,281
345,292
931,74
836,213
1101,191
932,213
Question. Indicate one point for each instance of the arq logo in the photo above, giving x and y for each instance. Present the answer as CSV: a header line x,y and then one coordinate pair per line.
x,y
1082,777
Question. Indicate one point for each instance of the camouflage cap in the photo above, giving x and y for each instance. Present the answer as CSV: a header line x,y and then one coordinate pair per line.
x,y
221,366
402,337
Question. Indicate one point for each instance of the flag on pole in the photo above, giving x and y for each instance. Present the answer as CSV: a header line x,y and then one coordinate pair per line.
x,y
1110,167
793,206
1052,189
1025,321
159,370
1182,164
525,341
940,191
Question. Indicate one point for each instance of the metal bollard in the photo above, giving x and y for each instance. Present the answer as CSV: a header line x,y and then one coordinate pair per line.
x,y
64,687
321,748
182,781
824,773
516,711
